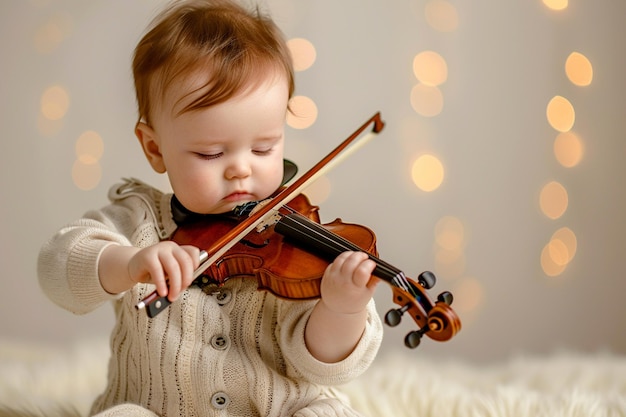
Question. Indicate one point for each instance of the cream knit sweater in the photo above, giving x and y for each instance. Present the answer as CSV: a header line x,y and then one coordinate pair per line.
x,y
238,352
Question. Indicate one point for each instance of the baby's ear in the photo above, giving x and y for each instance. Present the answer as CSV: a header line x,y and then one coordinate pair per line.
x,y
151,146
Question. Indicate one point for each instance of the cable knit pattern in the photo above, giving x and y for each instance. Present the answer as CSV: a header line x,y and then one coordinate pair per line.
x,y
238,352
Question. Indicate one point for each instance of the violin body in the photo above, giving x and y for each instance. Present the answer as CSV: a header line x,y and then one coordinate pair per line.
x,y
279,267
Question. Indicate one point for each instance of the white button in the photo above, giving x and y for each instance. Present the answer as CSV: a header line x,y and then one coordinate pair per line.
x,y
223,297
219,342
220,400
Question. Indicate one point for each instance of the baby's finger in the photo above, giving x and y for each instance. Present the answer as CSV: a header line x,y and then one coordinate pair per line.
x,y
189,260
341,259
363,272
195,254
172,269
157,277
352,261
351,256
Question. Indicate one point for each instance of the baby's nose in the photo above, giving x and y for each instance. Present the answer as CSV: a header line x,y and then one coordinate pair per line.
x,y
238,168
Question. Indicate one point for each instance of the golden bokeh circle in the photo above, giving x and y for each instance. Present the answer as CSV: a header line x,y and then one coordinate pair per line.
x,y
303,112
441,15
566,237
427,172
303,53
450,233
430,68
449,264
556,4
52,33
558,252
426,100
550,268
560,114
55,102
86,176
578,69
553,200
568,149
89,147
469,295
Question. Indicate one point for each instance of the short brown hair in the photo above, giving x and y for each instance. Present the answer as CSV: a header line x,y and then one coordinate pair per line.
x,y
218,37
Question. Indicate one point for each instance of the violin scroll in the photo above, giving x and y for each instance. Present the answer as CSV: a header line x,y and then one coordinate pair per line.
x,y
437,320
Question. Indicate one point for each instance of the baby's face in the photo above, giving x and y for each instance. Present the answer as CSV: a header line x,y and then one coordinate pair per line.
x,y
222,156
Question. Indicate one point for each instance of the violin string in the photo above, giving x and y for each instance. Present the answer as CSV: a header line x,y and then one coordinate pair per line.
x,y
395,276
335,242
339,244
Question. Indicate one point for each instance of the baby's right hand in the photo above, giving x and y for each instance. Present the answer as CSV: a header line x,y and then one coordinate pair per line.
x,y
167,265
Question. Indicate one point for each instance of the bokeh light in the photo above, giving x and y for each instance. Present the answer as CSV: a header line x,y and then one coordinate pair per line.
x,y
449,264
303,112
556,4
578,69
441,15
558,252
450,242
50,35
450,233
55,101
553,200
89,147
430,68
303,53
562,246
469,295
550,268
560,114
426,100
427,172
568,149
86,176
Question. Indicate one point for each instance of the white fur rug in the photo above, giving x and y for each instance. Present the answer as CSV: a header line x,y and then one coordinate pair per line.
x,y
46,381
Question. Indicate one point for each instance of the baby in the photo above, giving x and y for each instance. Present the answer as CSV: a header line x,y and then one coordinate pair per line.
x,y
213,82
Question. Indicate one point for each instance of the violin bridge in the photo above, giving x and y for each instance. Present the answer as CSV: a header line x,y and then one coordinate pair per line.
x,y
272,218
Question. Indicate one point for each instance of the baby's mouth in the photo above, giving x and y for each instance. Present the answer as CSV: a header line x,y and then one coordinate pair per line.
x,y
238,196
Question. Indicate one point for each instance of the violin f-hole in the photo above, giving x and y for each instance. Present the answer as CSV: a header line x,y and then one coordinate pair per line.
x,y
253,245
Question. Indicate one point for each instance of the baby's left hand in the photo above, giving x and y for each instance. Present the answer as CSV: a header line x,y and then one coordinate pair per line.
x,y
347,285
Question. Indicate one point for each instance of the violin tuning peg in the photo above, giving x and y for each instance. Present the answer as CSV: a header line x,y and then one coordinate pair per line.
x,y
393,317
427,279
413,339
445,297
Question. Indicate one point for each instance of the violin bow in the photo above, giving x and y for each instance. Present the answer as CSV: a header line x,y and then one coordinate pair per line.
x,y
263,211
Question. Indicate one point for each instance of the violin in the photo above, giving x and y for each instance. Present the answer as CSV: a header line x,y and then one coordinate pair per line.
x,y
281,243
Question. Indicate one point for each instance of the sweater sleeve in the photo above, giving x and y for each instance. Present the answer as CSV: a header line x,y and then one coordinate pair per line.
x,y
305,366
67,265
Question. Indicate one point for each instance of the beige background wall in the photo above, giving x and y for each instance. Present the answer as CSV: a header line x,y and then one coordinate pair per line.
x,y
505,62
